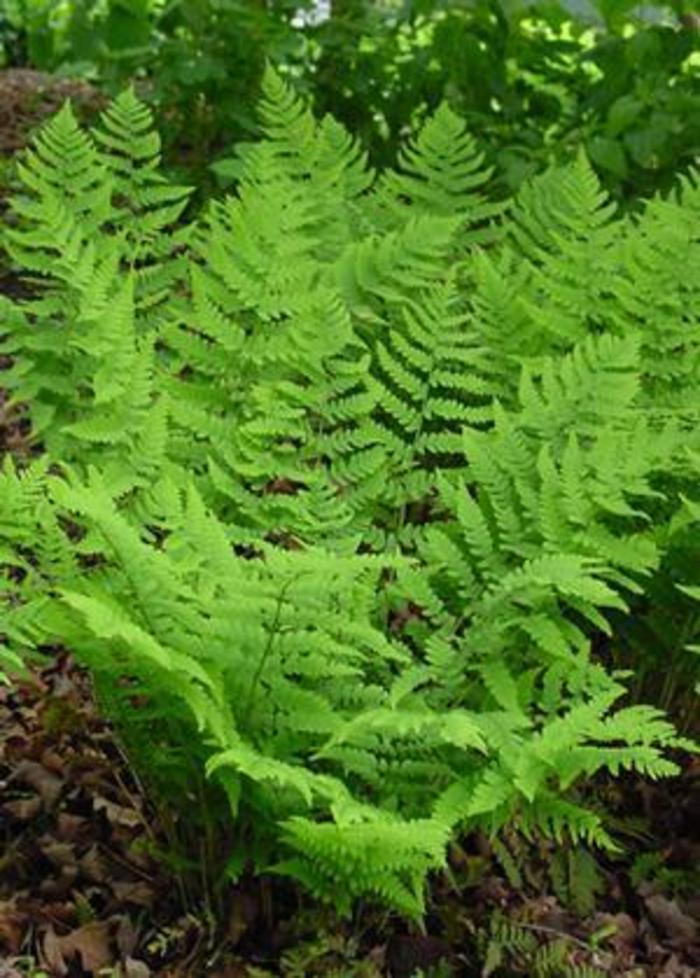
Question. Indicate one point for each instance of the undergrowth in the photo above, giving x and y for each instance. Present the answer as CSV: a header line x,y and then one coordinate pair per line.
x,y
359,491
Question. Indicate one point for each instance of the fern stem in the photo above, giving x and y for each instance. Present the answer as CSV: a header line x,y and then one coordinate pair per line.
x,y
265,655
554,932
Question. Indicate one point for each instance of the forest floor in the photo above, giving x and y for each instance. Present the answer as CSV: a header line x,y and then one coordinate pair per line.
x,y
90,885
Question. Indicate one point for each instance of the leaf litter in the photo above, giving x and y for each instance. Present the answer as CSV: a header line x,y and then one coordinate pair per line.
x,y
84,893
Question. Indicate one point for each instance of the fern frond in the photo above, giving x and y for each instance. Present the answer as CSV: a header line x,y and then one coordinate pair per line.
x,y
441,172
131,150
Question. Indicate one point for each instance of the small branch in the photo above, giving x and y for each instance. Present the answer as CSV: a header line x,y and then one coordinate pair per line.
x,y
552,931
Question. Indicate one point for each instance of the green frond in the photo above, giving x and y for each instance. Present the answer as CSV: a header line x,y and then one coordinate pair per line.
x,y
440,172
130,146
384,857
563,226
396,266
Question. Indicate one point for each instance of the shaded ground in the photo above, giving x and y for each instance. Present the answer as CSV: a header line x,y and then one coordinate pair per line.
x,y
85,885
28,97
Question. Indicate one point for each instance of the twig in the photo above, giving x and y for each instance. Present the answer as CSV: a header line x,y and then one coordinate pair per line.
x,y
543,929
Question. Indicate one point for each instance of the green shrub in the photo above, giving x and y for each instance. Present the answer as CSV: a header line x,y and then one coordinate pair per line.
x,y
536,80
345,481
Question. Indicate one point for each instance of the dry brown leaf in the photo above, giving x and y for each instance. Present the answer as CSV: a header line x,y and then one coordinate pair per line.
x,y
53,761
137,892
59,887
14,747
8,970
625,933
126,937
117,814
668,917
91,943
52,955
674,968
93,866
23,809
69,828
13,925
59,854
131,968
46,784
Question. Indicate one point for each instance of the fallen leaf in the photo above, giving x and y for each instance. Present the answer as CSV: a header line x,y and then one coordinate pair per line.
x,y
673,968
58,853
69,828
52,955
46,784
92,865
137,892
59,887
53,761
131,968
621,931
91,943
8,970
668,916
126,937
14,747
13,925
23,809
117,814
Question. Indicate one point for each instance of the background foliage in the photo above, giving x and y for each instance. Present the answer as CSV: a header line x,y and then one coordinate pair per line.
x,y
535,80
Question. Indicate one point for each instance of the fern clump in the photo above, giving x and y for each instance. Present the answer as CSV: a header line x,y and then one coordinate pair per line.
x,y
346,479
96,241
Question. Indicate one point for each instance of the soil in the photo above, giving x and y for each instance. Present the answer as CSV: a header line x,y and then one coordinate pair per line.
x,y
28,97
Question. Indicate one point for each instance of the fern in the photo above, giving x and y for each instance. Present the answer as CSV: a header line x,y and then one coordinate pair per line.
x,y
85,340
440,173
430,383
131,151
509,946
345,481
148,208
659,295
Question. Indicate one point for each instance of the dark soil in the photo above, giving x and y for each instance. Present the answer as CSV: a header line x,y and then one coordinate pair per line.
x,y
28,97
